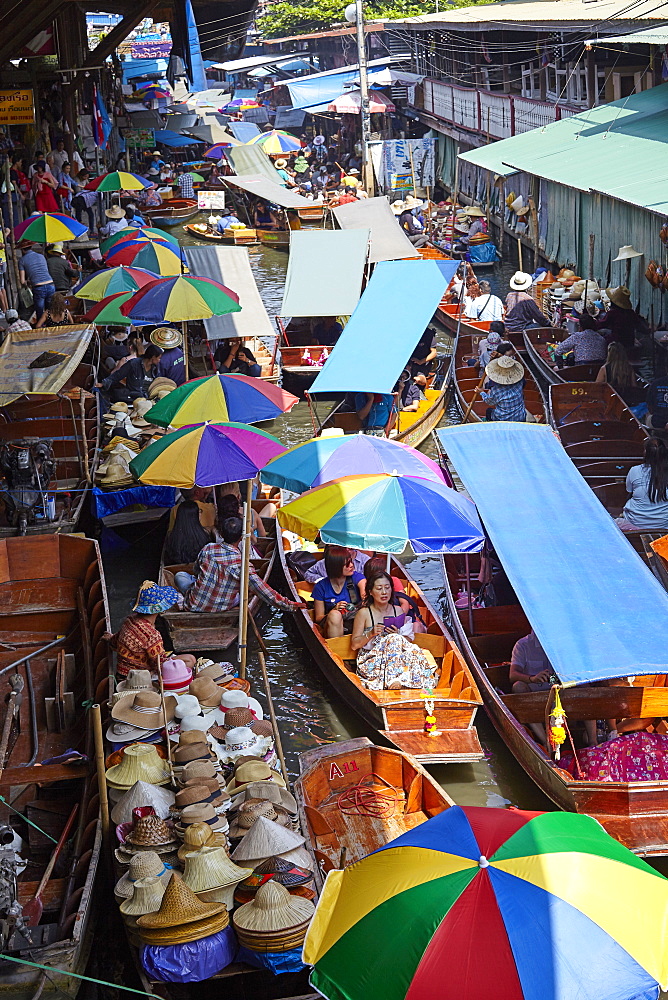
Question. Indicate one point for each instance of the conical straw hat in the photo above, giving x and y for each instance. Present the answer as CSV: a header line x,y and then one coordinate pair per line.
x,y
264,839
273,909
142,865
179,906
210,868
199,835
140,763
146,897
190,932
142,794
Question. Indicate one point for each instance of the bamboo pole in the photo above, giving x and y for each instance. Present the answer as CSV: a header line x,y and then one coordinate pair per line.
x,y
476,393
519,254
99,763
245,573
270,702
164,720
184,328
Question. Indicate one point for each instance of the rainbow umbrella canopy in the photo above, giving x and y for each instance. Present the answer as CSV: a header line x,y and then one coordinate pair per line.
x,y
385,513
186,297
216,152
112,280
107,312
240,104
161,258
276,142
118,180
493,904
323,459
142,234
222,398
49,227
205,455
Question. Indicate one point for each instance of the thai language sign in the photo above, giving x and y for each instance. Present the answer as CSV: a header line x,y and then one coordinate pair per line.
x,y
17,107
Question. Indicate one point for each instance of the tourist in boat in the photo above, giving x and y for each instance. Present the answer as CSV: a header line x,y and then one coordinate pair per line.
x,y
621,322
346,196
412,391
648,486
619,374
215,178
337,595
215,584
138,643
521,309
319,569
387,659
185,183
424,353
201,497
137,373
410,224
505,395
486,307
530,670
327,331
487,347
586,343
375,564
233,358
171,363
187,538
56,314
631,756
263,217
376,412
134,218
231,504
281,165
226,218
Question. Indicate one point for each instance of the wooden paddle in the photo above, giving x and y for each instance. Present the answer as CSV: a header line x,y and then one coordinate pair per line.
x,y
32,911
474,397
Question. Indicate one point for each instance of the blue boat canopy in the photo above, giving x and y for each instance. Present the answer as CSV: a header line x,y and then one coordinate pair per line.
x,y
391,316
596,609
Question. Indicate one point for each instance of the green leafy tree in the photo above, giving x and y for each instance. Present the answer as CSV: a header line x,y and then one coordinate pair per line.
x,y
286,18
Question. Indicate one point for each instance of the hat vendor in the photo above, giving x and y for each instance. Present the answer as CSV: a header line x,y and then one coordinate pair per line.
x,y
171,363
521,309
137,374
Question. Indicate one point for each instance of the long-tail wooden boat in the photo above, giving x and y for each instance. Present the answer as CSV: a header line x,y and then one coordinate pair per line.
x,y
399,715
191,631
466,378
314,214
277,239
173,212
634,812
53,660
536,341
239,237
394,792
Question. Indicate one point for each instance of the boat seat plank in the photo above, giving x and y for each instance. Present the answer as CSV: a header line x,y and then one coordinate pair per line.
x,y
29,596
593,703
448,746
599,430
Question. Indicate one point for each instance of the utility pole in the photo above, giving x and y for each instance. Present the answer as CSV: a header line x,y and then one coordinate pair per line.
x,y
355,13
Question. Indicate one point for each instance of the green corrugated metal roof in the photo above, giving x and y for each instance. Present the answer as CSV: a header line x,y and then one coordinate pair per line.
x,y
650,36
619,149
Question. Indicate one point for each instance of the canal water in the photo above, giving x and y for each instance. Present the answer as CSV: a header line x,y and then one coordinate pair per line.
x,y
310,712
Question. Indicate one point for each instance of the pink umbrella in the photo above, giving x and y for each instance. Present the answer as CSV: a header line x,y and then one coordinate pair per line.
x,y
351,102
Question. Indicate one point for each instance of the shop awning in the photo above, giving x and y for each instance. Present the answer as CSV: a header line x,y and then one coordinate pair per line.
x,y
263,188
648,36
388,240
597,610
173,139
20,349
231,266
250,62
252,161
392,314
323,88
325,272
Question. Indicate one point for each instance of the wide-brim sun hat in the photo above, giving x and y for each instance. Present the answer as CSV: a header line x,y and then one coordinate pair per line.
x,y
159,384
123,732
145,709
242,741
179,906
166,337
398,207
281,163
620,297
140,762
474,212
520,281
146,897
504,370
115,212
153,599
273,910
250,772
211,868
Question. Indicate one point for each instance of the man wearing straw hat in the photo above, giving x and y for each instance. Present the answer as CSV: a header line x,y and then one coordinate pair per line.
x,y
505,396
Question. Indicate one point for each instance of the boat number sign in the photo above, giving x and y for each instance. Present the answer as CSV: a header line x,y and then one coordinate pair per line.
x,y
341,770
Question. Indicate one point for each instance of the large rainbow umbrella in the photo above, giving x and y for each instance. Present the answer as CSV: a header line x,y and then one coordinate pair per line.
x,y
176,300
205,455
276,142
107,312
118,180
222,398
323,459
241,104
112,280
491,903
144,234
50,227
162,258
216,152
385,513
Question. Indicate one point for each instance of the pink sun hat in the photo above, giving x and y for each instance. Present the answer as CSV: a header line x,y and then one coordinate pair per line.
x,y
176,676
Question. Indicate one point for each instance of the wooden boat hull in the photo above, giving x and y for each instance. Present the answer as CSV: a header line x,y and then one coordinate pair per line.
x,y
535,341
277,239
315,214
328,772
173,212
399,715
635,813
467,377
209,234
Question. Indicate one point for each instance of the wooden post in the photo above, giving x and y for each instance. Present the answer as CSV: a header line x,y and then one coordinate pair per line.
x,y
99,762
519,254
245,572
184,328
475,395
270,701
592,240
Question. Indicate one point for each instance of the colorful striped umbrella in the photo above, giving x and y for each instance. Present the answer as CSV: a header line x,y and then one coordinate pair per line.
x,y
112,280
216,152
205,455
162,258
385,513
106,312
276,142
222,398
323,459
49,227
240,104
176,300
118,180
491,903
157,94
153,87
142,233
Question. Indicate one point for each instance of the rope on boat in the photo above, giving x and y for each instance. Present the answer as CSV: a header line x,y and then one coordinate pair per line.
x,y
365,800
73,975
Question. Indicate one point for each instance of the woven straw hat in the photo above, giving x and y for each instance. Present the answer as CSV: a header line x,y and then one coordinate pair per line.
x,y
273,910
202,812
211,868
142,865
136,680
166,337
206,691
504,370
197,750
119,407
251,771
217,672
123,732
279,870
189,737
199,769
199,835
149,831
620,296
250,811
146,897
160,384
298,856
235,717
264,729
142,794
179,906
191,932
212,784
264,839
140,763
144,710
126,443
267,790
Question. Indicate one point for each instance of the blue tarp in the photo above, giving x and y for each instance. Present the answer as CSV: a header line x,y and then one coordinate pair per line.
x,y
320,88
596,608
149,496
169,138
390,318
244,131
198,76
135,68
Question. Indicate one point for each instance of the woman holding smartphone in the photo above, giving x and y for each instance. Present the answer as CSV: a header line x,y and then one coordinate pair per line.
x,y
336,596
387,658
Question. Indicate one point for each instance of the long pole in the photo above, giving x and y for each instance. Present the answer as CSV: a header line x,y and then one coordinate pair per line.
x,y
245,571
270,701
365,114
164,720
99,763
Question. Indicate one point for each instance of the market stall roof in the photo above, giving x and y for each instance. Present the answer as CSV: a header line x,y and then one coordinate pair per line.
x,y
24,347
252,161
649,36
323,88
569,13
391,316
250,62
388,240
325,272
173,139
619,628
263,188
617,149
231,267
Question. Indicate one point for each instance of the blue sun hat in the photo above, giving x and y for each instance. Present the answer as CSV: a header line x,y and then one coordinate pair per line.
x,y
152,599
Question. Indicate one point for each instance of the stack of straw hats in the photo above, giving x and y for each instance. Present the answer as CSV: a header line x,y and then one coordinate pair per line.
x,y
136,680
251,810
274,920
298,881
234,698
140,762
199,835
243,742
182,917
143,794
275,793
146,896
145,864
212,875
266,839
251,771
146,832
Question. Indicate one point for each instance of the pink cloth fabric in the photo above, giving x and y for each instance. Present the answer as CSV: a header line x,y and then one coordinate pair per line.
x,y
633,757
